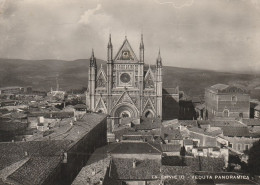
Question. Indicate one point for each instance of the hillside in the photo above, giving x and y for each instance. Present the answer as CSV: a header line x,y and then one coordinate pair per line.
x,y
41,74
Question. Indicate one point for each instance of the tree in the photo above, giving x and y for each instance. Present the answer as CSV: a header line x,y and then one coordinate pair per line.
x,y
254,159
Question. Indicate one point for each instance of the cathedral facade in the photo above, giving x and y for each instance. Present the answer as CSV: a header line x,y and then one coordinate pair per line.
x,y
125,88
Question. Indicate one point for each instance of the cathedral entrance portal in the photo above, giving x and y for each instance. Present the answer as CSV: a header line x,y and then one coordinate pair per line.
x,y
124,113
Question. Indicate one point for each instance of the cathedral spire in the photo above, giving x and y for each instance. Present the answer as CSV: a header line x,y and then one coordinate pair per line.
x,y
141,49
109,45
159,59
142,42
92,59
109,50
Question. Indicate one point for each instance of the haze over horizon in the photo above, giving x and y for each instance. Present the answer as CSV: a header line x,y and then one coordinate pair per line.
x,y
220,35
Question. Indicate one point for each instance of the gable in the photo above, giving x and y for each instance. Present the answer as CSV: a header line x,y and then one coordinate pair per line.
x,y
101,106
126,53
101,78
125,98
149,79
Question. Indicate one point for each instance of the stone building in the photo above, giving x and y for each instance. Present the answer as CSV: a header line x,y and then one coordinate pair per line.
x,y
126,89
54,158
225,101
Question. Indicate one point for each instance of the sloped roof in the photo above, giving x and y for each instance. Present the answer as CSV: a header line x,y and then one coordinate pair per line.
x,y
43,157
135,148
236,131
171,148
123,169
169,133
251,122
257,107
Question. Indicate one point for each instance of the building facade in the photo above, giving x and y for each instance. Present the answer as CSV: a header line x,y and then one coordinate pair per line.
x,y
226,102
125,90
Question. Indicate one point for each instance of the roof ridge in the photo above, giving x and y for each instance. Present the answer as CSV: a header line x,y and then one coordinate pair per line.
x,y
154,147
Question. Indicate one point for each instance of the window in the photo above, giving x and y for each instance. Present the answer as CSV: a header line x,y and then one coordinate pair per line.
x,y
225,113
233,98
230,145
148,114
239,146
246,146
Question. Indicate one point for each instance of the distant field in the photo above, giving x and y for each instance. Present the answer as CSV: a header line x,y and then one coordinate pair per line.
x,y
41,74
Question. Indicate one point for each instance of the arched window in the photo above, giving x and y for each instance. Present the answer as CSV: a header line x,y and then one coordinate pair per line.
x,y
125,115
225,113
148,114
233,98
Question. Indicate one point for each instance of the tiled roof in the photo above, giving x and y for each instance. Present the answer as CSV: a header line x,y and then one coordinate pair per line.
x,y
36,170
76,131
86,174
40,158
170,148
251,122
221,123
144,170
188,142
169,133
236,131
188,122
80,106
205,132
135,148
53,114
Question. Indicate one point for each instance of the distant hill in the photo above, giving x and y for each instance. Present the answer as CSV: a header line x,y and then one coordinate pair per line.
x,y
41,74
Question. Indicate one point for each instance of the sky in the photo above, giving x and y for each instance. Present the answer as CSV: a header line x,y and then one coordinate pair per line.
x,y
208,34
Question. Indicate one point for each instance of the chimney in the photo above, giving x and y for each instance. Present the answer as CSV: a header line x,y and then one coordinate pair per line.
x,y
134,163
93,171
101,181
26,153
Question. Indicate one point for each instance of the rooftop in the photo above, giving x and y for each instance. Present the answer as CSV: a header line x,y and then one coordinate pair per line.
x,y
30,162
251,122
136,148
144,170
236,132
93,172
169,133
223,88
75,131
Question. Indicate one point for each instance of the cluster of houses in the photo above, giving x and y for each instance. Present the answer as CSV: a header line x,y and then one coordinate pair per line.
x,y
152,151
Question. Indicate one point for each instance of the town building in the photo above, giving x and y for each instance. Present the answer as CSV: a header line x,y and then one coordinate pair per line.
x,y
11,90
53,157
226,101
257,112
126,88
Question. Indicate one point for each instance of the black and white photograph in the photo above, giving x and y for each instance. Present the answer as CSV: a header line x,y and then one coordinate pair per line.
x,y
129,92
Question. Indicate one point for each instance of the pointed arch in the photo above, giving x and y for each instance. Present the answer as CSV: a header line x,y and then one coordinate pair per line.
x,y
149,79
101,106
101,78
149,106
